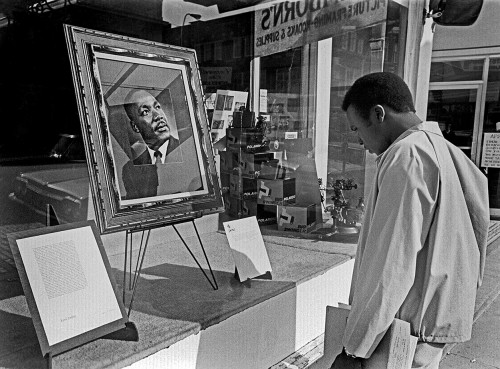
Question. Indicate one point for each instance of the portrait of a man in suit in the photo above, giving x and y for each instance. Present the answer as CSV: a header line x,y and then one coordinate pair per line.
x,y
154,141
147,117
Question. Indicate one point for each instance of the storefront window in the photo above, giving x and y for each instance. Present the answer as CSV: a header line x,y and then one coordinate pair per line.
x,y
346,155
455,101
454,110
222,48
282,42
492,124
492,104
356,52
461,70
42,158
294,104
281,76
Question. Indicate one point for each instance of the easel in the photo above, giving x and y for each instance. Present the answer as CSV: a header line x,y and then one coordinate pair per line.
x,y
146,231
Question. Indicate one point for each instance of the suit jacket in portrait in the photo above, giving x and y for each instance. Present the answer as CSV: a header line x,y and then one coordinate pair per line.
x,y
145,158
140,176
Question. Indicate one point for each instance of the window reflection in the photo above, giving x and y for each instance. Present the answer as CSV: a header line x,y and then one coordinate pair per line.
x,y
460,70
492,124
454,110
224,50
346,156
281,76
356,52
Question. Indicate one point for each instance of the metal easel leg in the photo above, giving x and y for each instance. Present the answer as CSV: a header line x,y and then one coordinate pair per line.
x,y
125,266
130,262
138,270
214,283
132,283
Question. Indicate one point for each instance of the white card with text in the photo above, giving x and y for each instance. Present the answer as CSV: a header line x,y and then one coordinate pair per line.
x,y
70,284
247,246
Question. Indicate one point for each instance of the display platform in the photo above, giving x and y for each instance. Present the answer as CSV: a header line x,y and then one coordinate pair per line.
x,y
183,322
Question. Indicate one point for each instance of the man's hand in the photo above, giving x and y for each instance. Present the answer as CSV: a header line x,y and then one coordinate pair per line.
x,y
342,361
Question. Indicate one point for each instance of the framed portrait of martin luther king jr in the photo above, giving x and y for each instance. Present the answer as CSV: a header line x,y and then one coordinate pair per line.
x,y
145,129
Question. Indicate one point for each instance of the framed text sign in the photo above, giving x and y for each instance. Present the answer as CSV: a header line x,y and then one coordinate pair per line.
x,y
68,284
145,130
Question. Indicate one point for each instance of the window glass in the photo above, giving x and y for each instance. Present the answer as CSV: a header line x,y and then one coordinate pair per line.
x,y
492,104
282,78
460,70
454,110
223,48
378,47
41,142
492,124
42,160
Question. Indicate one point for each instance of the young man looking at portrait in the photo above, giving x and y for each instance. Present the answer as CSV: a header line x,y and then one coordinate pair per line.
x,y
422,246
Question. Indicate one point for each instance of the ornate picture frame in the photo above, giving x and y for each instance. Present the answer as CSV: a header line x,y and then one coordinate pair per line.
x,y
145,129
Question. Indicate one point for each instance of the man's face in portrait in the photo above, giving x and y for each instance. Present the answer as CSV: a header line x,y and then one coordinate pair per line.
x,y
148,115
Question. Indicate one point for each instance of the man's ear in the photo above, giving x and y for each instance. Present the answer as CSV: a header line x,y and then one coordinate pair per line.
x,y
134,126
377,114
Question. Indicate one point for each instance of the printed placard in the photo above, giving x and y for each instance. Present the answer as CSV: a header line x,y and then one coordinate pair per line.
x,y
68,285
491,150
247,245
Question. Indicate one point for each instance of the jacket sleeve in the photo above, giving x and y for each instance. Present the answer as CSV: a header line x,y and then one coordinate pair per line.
x,y
408,184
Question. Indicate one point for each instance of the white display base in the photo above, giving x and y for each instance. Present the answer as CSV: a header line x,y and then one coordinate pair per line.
x,y
264,334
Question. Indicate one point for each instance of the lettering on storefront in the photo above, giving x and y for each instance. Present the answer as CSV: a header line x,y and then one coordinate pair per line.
x,y
491,150
290,24
215,77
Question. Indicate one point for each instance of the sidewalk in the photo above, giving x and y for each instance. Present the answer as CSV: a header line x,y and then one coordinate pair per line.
x,y
483,350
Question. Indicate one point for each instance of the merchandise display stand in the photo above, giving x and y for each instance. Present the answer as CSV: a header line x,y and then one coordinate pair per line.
x,y
134,277
266,275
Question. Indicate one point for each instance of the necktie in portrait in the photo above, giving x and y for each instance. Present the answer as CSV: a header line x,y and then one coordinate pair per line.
x,y
157,157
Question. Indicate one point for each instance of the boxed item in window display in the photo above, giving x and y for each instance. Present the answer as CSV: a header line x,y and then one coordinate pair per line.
x,y
246,139
242,187
272,169
276,191
225,182
228,161
243,119
297,217
265,214
250,164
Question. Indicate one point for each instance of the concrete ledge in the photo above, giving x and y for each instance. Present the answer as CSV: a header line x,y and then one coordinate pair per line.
x,y
263,334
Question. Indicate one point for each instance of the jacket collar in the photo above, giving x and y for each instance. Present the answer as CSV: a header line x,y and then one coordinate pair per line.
x,y
431,127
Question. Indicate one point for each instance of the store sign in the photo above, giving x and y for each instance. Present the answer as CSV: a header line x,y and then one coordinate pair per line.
x,y
215,76
491,150
288,24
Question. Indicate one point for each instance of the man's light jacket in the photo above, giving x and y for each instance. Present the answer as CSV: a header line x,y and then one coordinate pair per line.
x,y
422,246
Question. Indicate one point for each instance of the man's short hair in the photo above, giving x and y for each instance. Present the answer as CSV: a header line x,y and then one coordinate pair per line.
x,y
128,110
129,104
380,88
